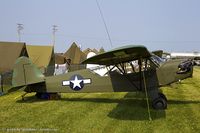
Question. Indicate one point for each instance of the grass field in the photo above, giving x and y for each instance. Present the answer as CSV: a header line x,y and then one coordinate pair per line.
x,y
104,112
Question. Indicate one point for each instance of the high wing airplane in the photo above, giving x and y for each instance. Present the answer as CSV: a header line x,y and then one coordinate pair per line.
x,y
129,68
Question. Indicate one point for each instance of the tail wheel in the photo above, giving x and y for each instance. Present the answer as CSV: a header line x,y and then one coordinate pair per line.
x,y
159,103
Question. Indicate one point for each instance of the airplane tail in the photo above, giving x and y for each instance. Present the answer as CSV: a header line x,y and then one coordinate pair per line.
x,y
25,73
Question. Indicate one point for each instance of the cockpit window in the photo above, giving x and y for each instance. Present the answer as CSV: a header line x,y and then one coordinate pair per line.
x,y
157,60
99,69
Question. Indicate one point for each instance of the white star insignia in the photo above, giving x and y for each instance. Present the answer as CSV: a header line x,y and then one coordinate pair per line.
x,y
76,82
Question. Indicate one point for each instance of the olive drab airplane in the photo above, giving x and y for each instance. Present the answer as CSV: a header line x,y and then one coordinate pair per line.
x,y
129,68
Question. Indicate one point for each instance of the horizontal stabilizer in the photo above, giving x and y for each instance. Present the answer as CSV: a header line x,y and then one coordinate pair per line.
x,y
16,88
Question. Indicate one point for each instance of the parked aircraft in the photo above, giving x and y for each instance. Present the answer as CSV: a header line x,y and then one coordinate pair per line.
x,y
130,68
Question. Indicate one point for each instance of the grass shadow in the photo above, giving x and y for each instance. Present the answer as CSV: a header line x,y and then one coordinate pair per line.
x,y
135,109
183,102
128,108
30,99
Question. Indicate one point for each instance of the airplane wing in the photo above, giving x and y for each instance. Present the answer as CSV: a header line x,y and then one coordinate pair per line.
x,y
119,55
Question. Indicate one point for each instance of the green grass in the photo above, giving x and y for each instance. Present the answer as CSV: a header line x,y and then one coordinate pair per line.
x,y
104,112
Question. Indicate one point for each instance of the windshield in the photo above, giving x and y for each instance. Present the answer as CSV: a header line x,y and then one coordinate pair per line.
x,y
157,59
98,69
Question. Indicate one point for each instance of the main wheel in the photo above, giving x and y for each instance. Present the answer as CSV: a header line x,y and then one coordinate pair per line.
x,y
163,96
159,103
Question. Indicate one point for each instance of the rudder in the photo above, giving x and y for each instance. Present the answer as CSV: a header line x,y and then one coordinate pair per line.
x,y
26,73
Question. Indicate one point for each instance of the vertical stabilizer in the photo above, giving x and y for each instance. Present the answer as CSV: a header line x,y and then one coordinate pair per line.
x,y
26,73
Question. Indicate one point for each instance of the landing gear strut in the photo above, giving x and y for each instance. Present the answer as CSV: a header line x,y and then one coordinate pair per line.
x,y
23,96
160,103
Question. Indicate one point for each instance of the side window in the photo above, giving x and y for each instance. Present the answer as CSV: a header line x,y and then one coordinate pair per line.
x,y
134,65
146,64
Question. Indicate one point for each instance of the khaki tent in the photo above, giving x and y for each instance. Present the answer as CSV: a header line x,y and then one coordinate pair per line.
x,y
88,50
9,52
95,51
60,59
101,50
43,57
75,54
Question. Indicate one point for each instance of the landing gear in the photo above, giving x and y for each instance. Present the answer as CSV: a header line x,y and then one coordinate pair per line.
x,y
23,96
160,103
48,96
162,95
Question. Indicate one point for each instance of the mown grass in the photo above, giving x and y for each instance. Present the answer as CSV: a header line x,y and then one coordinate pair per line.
x,y
104,112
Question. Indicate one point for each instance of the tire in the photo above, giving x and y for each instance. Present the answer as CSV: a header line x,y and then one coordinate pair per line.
x,y
163,96
159,103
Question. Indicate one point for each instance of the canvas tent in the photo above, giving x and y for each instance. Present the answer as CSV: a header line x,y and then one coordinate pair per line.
x,y
9,52
75,54
43,57
95,51
101,50
88,50
60,59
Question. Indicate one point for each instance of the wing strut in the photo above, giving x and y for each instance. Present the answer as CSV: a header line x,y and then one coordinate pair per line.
x,y
146,94
140,72
123,71
132,66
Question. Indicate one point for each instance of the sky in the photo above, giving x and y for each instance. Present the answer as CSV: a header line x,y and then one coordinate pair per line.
x,y
170,25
